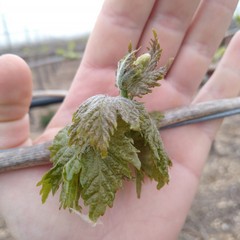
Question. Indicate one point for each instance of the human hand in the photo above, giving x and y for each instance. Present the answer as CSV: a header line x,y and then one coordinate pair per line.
x,y
158,214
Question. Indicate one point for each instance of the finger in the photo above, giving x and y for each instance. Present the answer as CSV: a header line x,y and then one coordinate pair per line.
x,y
118,22
171,20
15,97
225,82
202,40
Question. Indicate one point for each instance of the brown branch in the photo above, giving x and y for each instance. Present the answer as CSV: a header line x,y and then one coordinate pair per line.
x,y
36,155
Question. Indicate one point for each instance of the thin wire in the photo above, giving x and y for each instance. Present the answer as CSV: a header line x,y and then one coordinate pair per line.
x,y
44,101
213,116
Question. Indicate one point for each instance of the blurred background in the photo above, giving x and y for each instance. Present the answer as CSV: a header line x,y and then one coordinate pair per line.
x,y
29,22
51,37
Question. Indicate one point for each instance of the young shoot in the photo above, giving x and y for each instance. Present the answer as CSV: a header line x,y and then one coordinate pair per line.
x,y
110,140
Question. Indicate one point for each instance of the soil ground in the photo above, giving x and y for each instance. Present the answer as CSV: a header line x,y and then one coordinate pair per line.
x,y
215,213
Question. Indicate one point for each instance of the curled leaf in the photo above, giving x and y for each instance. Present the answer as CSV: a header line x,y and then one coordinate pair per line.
x,y
136,76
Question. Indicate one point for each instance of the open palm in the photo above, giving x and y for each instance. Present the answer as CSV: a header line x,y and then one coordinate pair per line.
x,y
190,31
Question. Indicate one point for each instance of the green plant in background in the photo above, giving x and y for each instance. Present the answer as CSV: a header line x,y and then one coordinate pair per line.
x,y
27,51
219,54
44,49
221,50
237,19
45,119
70,52
110,139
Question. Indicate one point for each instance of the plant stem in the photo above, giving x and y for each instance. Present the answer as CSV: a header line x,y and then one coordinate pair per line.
x,y
123,93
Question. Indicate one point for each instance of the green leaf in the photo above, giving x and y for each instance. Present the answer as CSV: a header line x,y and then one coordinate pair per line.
x,y
133,149
102,177
59,151
110,139
62,156
156,117
139,180
100,181
96,120
70,192
94,123
155,52
136,76
156,163
50,182
122,148
82,171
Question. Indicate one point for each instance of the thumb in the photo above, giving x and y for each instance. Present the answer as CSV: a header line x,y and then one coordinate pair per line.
x,y
15,97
